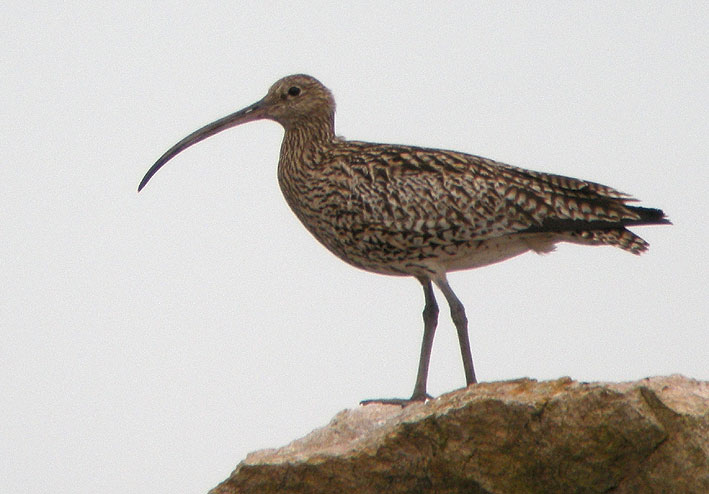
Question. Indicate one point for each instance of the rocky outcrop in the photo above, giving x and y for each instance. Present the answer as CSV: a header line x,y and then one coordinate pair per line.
x,y
513,437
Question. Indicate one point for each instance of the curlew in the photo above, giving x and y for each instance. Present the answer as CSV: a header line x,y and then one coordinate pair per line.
x,y
413,211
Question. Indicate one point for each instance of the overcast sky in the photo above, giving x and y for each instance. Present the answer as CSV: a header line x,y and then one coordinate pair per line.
x,y
149,341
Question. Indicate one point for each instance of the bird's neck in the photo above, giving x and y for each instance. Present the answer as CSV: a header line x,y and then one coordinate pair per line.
x,y
304,150
303,144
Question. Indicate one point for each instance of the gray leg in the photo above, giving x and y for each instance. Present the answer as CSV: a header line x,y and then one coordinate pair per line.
x,y
430,320
461,325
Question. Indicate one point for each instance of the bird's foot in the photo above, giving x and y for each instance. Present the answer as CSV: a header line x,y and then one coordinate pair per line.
x,y
402,402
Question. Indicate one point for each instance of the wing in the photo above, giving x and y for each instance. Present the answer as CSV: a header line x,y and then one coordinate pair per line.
x,y
453,197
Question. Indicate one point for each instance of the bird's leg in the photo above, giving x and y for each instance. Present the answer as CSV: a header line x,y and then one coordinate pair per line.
x,y
430,320
461,326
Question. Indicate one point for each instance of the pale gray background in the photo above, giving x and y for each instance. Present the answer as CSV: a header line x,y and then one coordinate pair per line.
x,y
148,342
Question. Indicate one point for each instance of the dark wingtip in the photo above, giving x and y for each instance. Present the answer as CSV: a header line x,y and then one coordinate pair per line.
x,y
650,216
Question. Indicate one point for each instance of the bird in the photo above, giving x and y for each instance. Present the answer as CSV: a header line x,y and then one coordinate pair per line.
x,y
414,211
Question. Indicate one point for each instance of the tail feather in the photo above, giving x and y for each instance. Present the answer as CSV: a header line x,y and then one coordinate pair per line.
x,y
576,210
622,238
602,232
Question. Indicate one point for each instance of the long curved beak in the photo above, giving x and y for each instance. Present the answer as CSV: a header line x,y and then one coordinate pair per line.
x,y
248,114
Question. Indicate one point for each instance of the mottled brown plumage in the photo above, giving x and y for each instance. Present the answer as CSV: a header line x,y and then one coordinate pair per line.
x,y
405,210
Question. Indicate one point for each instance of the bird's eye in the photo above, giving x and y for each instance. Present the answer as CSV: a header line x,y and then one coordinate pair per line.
x,y
294,90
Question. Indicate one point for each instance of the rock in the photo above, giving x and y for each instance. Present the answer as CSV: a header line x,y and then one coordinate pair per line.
x,y
512,437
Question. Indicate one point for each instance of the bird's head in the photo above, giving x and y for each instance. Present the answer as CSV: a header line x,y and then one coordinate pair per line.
x,y
296,101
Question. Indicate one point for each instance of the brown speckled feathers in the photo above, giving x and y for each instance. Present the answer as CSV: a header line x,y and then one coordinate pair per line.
x,y
378,203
